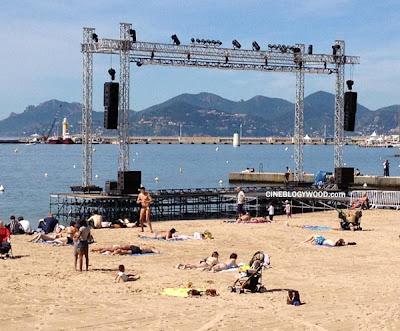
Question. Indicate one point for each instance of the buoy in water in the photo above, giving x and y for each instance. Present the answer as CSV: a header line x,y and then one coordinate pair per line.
x,y
286,148
74,166
46,174
97,176
94,149
227,162
220,182
2,188
365,185
16,150
216,149
156,179
180,170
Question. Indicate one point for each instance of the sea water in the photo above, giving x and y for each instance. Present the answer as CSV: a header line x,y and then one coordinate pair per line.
x,y
29,173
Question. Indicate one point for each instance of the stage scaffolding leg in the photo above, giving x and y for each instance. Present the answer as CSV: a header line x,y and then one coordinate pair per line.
x,y
299,121
123,112
339,105
87,94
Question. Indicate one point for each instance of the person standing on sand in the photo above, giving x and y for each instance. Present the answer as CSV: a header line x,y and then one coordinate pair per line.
x,y
288,211
271,211
241,198
82,246
145,200
386,168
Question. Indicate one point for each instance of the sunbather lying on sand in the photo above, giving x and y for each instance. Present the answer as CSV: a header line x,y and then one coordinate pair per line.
x,y
246,218
224,265
126,250
47,237
204,264
159,235
320,240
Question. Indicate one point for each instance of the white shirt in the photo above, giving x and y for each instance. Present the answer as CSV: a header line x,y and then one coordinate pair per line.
x,y
240,198
287,208
26,225
271,210
123,276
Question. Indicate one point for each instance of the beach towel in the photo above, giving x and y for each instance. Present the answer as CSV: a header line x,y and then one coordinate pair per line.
x,y
317,228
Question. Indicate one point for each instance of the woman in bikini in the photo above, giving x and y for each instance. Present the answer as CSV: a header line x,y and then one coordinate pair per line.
x,y
126,249
159,235
204,264
322,241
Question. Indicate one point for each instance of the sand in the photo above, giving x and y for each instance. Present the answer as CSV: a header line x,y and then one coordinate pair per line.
x,y
346,288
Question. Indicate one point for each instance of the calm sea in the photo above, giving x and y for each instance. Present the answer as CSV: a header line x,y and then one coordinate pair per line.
x,y
29,173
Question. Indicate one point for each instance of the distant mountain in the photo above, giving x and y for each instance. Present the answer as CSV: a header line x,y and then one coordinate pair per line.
x,y
207,114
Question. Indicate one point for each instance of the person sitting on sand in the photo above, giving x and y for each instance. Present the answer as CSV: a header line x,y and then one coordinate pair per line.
x,y
159,235
122,276
206,263
126,249
320,240
225,265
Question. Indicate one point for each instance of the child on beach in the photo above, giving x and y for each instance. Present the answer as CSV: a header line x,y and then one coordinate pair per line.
x,y
288,211
122,276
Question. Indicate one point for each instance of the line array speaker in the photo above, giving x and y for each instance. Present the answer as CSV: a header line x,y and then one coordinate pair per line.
x,y
129,181
350,109
111,98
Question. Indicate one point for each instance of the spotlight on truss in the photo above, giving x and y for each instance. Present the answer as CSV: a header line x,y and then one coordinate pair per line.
x,y
236,44
95,37
111,72
192,40
175,40
256,46
133,35
335,48
139,63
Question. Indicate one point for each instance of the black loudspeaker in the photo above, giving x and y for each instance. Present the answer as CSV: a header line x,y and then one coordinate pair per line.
x,y
111,187
350,109
111,98
129,181
344,177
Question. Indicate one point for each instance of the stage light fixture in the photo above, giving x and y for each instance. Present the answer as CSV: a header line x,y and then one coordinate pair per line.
x,y
175,39
335,48
197,40
95,37
269,46
219,42
111,72
133,35
236,44
139,64
350,84
256,46
296,50
192,40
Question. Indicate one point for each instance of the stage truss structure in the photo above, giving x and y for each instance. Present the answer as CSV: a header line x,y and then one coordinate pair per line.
x,y
210,56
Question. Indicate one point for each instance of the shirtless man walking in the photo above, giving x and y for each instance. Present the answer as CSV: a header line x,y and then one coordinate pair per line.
x,y
144,199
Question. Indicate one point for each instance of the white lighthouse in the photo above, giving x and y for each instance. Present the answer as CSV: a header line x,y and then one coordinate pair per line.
x,y
65,127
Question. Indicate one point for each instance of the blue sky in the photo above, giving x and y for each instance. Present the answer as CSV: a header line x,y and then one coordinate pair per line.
x,y
41,57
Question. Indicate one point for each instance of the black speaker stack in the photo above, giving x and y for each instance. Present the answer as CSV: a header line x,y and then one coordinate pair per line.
x,y
350,109
128,183
111,99
344,177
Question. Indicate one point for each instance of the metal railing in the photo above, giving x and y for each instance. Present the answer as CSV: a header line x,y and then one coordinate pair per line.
x,y
378,199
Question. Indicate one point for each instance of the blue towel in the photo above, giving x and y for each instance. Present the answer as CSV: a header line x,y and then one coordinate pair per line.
x,y
317,227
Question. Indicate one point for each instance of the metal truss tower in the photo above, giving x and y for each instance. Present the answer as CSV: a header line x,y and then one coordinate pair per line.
x,y
339,103
299,119
87,94
278,58
123,109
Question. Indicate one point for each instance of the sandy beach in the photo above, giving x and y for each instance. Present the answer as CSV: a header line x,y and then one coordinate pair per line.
x,y
346,288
